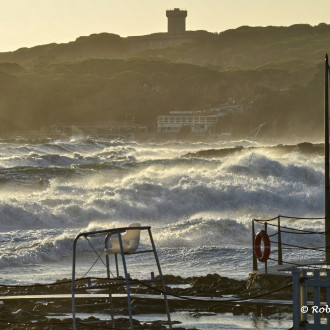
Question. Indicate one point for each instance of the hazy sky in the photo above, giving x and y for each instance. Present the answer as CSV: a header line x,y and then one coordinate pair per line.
x,y
26,23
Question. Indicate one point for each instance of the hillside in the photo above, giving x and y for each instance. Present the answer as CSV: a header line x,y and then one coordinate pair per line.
x,y
247,47
275,72
251,47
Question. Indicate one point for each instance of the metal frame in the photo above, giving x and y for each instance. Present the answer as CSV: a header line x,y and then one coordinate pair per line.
x,y
300,284
108,233
276,224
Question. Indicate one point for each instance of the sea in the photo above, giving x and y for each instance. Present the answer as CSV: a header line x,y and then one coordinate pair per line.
x,y
200,206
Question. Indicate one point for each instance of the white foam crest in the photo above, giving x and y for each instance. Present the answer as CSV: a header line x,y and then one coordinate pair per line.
x,y
102,224
172,190
250,188
50,245
202,232
34,247
252,164
60,153
172,149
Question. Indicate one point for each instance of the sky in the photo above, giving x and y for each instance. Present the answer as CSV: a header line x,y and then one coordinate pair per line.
x,y
27,23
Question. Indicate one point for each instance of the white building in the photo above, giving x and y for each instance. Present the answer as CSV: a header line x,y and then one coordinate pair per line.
x,y
201,121
179,123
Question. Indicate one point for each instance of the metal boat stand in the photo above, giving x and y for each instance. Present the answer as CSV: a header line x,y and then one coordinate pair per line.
x,y
114,280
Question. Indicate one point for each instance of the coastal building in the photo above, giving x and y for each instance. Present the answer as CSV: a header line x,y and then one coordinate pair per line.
x,y
196,122
185,123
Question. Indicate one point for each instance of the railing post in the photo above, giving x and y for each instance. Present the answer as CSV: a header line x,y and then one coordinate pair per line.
x,y
279,241
266,270
254,258
296,299
326,161
317,298
328,296
73,285
303,296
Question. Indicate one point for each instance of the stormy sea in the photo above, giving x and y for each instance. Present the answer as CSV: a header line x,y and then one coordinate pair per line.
x,y
198,197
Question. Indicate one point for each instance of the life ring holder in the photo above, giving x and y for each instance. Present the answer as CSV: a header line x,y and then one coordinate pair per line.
x,y
262,236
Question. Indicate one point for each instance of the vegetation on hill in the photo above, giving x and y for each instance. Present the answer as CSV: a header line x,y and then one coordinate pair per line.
x,y
276,73
250,47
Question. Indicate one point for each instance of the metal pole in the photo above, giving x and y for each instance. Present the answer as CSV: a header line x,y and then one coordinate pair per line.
x,y
266,267
108,275
328,296
254,258
326,161
127,277
303,295
296,299
73,284
279,241
162,278
317,298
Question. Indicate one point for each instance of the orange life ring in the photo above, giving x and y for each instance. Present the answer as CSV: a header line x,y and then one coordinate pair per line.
x,y
262,236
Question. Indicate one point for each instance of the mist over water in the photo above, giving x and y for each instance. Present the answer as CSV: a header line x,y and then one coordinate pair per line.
x,y
200,209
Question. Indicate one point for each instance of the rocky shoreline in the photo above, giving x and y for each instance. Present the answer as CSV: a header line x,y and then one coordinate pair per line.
x,y
55,313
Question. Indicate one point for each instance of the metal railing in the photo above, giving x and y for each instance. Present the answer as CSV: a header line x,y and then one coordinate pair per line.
x,y
302,308
277,240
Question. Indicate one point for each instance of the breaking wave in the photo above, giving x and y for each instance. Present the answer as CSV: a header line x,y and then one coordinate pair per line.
x,y
192,202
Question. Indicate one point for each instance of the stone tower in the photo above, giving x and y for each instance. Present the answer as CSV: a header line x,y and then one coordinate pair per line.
x,y
176,21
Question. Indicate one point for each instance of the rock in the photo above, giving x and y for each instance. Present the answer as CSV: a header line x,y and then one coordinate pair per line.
x,y
259,283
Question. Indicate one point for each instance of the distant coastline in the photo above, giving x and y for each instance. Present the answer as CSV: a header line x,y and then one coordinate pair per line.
x,y
273,72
